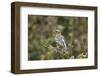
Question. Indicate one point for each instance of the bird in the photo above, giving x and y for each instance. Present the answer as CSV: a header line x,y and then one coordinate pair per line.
x,y
60,41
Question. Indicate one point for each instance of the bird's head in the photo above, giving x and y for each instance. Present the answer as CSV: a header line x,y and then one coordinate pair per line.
x,y
58,32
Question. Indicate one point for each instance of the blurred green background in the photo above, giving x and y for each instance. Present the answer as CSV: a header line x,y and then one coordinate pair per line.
x,y
41,43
